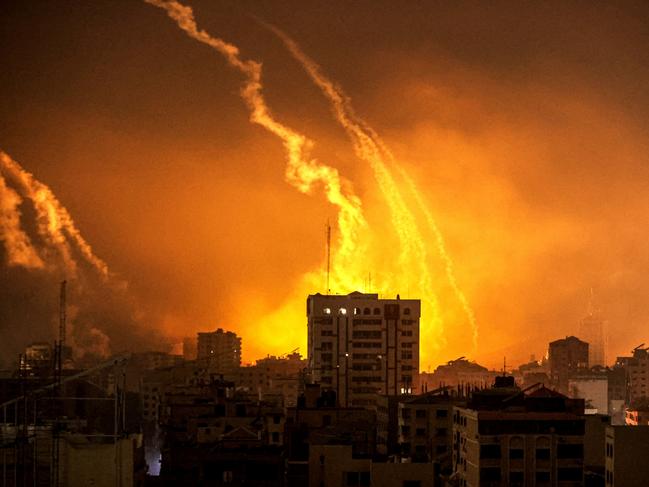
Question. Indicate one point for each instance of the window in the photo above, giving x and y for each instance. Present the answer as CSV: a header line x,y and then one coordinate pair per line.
x,y
275,437
367,311
489,451
490,474
327,333
570,474
440,432
276,419
420,413
406,333
405,430
366,334
570,451
357,311
342,311
542,476
516,478
327,346
441,413
406,355
357,479
406,311
377,311
327,311
440,449
516,453
542,453
326,357
420,432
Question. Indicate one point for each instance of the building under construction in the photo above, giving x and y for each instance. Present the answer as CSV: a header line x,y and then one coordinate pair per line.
x,y
71,431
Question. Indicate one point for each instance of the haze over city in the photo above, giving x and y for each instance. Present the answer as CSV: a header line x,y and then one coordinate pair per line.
x,y
490,160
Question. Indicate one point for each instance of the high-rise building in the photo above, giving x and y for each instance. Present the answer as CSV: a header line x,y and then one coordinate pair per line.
x,y
566,357
360,345
592,330
220,350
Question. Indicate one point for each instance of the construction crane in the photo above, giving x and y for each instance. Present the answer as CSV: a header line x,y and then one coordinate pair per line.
x,y
60,346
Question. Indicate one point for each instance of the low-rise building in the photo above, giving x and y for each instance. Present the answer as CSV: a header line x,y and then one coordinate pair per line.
x,y
458,372
337,466
592,387
426,428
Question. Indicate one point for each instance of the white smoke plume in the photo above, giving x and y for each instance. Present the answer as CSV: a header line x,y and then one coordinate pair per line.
x,y
302,171
17,244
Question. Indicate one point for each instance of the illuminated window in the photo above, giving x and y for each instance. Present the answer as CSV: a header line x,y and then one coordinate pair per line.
x,y
342,311
327,311
357,311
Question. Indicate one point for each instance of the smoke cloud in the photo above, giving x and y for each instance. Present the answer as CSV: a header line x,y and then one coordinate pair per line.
x,y
523,127
102,318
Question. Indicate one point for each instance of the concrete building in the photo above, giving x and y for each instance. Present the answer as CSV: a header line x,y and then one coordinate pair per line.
x,y
282,376
458,372
318,420
505,436
594,443
637,414
86,462
637,373
220,351
593,388
155,360
626,456
360,345
426,428
566,357
336,466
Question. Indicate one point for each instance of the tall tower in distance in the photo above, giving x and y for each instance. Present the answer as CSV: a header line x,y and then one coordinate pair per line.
x,y
592,329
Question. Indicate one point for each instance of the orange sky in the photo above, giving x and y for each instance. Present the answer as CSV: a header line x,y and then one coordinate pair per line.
x,y
524,127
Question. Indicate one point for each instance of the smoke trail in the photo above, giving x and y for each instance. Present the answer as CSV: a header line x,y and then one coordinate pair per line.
x,y
368,147
301,171
54,223
17,243
448,263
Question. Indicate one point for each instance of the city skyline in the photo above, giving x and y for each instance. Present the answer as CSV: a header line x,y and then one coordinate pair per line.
x,y
525,157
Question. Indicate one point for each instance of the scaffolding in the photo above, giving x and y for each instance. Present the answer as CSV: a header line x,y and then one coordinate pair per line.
x,y
38,423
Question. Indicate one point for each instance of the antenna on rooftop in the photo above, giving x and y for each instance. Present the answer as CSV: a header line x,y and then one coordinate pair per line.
x,y
328,256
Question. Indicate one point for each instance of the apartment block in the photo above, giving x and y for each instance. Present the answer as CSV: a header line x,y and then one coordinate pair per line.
x,y
505,436
360,346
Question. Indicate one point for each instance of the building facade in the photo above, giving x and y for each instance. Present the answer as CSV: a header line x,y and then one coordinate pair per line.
x,y
509,437
566,357
426,428
360,345
219,350
626,456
